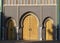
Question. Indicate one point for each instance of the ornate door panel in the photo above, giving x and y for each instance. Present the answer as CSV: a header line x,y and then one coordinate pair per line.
x,y
30,29
11,29
49,29
26,29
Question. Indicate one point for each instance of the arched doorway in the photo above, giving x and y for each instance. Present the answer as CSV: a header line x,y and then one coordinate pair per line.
x,y
11,29
48,24
30,25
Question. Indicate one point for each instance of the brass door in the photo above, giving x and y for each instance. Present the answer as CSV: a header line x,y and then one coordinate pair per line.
x,y
11,29
49,29
30,29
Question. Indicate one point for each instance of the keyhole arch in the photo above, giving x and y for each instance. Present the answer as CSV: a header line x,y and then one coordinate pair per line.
x,y
48,24
11,28
24,16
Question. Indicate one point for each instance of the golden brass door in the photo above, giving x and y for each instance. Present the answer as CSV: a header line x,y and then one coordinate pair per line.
x,y
30,29
11,29
49,29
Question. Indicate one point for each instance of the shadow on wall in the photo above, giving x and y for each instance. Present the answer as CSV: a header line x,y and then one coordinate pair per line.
x,y
54,33
11,29
4,28
58,32
0,25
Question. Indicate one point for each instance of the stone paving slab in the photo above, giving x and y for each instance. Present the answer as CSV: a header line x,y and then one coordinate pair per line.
x,y
22,41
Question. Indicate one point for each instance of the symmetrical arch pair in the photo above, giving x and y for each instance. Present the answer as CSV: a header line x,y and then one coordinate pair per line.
x,y
29,23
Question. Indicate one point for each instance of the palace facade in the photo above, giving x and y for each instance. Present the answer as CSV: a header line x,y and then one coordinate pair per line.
x,y
29,20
